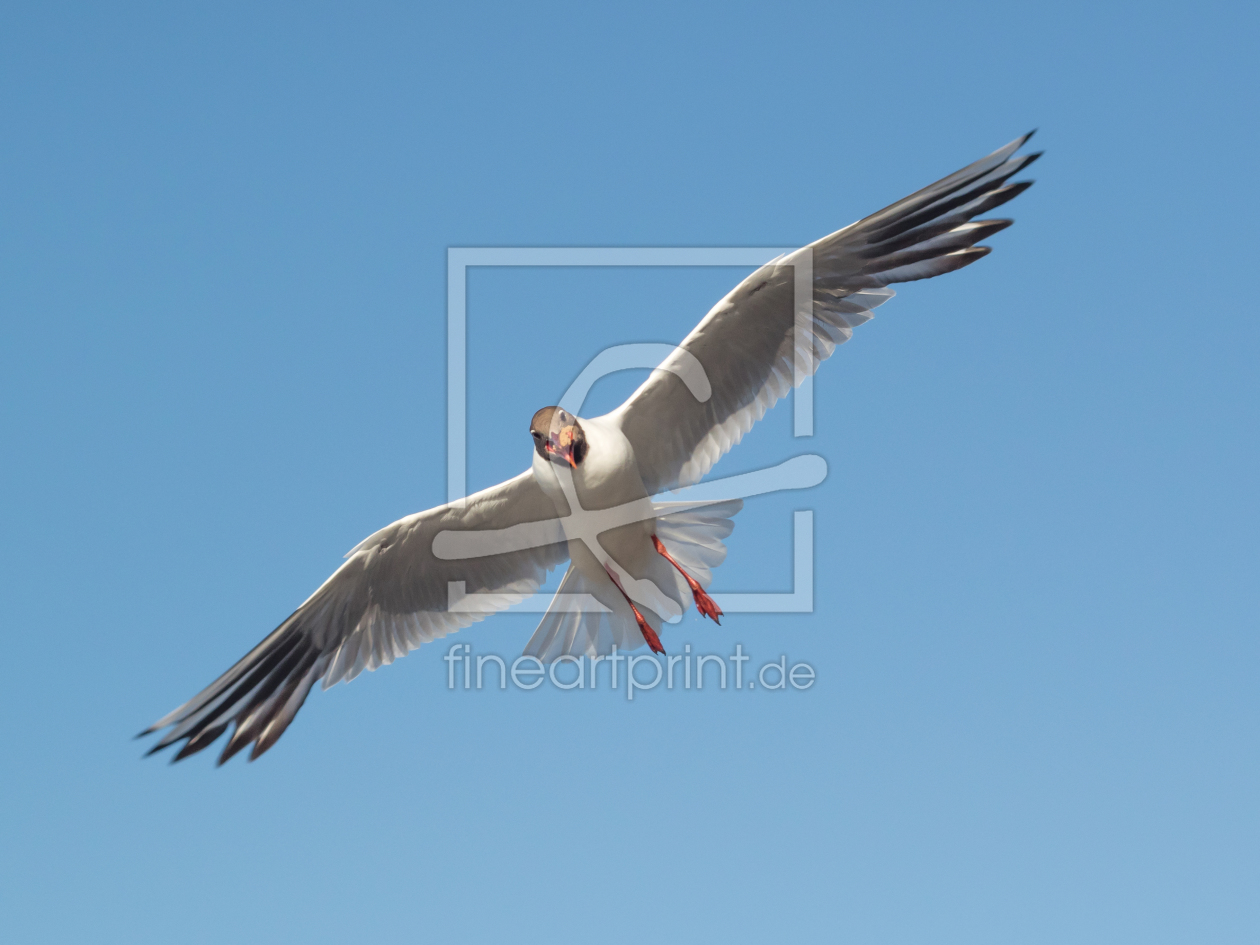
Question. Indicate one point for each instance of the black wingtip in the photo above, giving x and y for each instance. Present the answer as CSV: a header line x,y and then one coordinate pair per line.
x,y
986,228
1026,159
1030,134
235,744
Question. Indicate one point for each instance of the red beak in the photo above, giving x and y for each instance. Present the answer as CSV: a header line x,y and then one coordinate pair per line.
x,y
565,451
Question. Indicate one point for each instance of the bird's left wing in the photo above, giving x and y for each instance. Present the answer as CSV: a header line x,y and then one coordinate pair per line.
x,y
755,344
391,595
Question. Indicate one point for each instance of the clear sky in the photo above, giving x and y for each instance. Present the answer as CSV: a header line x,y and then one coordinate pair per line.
x,y
222,364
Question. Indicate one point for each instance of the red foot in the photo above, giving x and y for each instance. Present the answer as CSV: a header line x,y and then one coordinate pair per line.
x,y
649,634
704,603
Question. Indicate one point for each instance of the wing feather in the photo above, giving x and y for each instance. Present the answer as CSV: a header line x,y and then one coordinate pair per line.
x,y
749,346
390,596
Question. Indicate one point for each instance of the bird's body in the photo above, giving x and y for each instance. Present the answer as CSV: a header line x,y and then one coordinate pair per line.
x,y
592,494
608,478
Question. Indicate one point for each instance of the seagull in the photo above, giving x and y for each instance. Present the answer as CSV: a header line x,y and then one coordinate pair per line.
x,y
592,494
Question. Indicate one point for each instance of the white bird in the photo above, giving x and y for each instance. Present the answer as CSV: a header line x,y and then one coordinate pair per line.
x,y
587,497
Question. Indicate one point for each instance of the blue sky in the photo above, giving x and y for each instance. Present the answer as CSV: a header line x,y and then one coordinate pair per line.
x,y
222,364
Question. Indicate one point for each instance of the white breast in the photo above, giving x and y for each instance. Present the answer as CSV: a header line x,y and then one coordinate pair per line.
x,y
608,478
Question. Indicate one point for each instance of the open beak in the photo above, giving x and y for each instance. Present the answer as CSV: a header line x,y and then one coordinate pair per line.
x,y
566,452
562,445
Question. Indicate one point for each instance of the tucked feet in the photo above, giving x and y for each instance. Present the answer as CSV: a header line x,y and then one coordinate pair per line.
x,y
704,603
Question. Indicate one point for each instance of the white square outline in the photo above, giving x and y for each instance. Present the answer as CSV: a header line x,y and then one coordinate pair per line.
x,y
460,258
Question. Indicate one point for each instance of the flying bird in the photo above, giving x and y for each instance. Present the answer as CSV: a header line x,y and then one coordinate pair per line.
x,y
592,495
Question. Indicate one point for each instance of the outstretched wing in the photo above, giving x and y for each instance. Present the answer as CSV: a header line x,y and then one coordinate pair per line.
x,y
753,346
391,595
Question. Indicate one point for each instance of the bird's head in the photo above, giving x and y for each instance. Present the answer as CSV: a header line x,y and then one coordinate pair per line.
x,y
558,436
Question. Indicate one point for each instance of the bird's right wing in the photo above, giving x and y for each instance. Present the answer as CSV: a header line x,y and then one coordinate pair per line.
x,y
754,346
392,594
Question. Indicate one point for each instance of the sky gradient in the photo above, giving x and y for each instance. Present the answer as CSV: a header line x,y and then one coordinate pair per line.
x,y
222,364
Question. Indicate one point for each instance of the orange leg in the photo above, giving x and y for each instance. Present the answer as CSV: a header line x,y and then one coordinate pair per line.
x,y
653,641
704,603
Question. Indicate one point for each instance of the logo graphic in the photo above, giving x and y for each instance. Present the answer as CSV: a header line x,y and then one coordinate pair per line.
x,y
800,472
